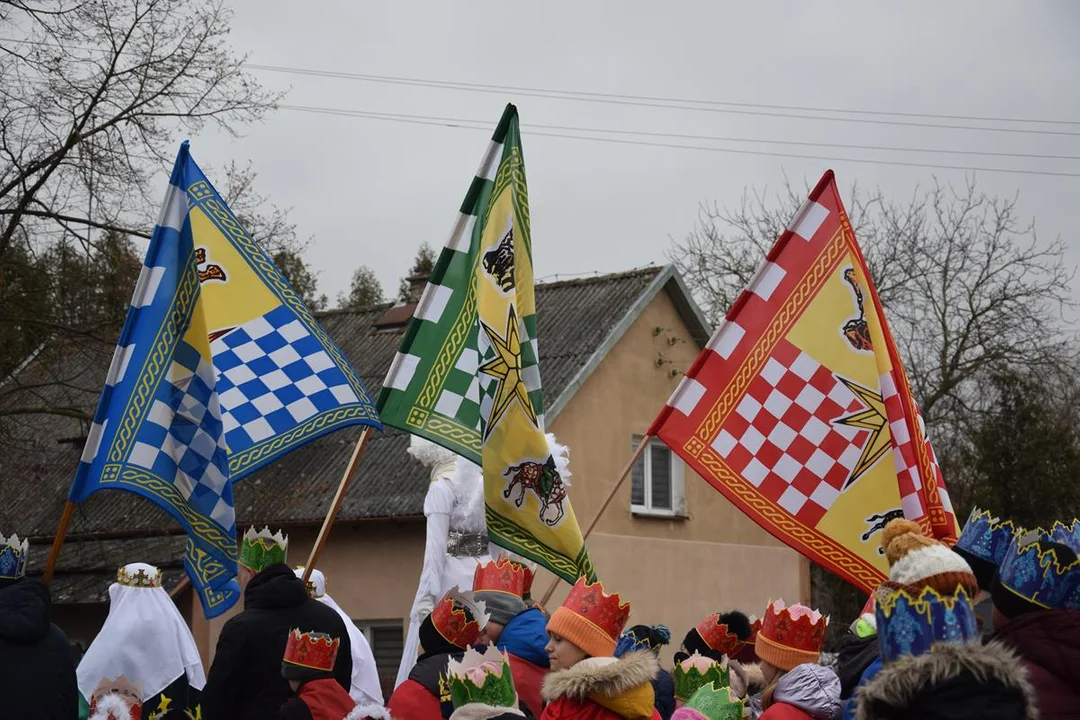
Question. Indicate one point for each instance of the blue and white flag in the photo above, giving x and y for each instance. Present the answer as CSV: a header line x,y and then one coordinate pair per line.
x,y
220,369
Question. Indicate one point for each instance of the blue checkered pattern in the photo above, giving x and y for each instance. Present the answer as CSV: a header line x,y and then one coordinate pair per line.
x,y
183,439
273,374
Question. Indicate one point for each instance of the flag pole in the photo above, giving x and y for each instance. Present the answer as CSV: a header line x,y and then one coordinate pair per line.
x,y
58,542
607,501
335,506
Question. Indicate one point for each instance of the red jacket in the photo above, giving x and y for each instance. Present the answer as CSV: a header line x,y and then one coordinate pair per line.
x,y
566,709
528,679
318,700
783,711
596,689
412,701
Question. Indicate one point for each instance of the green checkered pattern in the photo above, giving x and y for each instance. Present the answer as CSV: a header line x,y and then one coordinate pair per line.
x,y
433,388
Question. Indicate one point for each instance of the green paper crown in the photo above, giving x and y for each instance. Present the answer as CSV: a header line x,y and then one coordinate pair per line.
x,y
260,550
689,676
716,703
497,687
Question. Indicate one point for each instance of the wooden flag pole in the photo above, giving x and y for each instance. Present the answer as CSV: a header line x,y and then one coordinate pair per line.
x,y
335,506
58,542
607,501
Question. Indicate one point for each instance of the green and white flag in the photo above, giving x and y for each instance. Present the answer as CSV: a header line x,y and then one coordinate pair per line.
x,y
467,374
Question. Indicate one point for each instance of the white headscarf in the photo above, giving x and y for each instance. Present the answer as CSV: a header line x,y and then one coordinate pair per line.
x,y
365,689
144,638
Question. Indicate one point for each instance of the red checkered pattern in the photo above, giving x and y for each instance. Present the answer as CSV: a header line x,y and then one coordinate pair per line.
x,y
781,437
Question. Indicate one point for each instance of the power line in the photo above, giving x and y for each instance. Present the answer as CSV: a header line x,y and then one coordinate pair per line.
x,y
478,125
646,101
659,101
682,136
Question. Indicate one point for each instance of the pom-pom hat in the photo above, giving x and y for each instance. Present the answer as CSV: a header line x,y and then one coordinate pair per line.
x,y
790,636
590,618
910,625
917,561
983,543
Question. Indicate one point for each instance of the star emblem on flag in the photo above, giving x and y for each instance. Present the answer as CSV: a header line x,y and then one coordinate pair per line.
x,y
506,368
874,419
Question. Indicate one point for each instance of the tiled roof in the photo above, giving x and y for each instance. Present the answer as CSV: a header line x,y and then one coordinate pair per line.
x,y
575,318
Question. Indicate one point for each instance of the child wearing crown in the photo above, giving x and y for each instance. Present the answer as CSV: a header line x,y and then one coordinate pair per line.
x,y
245,681
445,634
308,666
586,681
789,645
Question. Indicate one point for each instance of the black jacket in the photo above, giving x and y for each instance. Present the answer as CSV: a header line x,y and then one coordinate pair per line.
x,y
37,670
245,680
854,656
664,691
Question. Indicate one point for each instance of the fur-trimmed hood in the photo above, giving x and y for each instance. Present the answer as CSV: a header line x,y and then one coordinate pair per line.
x,y
480,711
606,677
976,681
748,677
363,712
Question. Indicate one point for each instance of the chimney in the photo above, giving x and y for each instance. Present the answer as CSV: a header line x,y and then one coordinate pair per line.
x,y
417,283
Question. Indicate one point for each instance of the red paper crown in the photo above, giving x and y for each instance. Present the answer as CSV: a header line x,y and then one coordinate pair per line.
x,y
606,612
796,627
453,624
502,575
314,650
755,628
718,637
529,576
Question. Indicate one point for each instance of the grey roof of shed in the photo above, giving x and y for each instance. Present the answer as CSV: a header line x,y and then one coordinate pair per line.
x,y
578,322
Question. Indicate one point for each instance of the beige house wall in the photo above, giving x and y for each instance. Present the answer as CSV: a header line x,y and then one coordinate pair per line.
x,y
674,571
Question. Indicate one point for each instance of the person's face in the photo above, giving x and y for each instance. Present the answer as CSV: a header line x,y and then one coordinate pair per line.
x,y
562,653
491,632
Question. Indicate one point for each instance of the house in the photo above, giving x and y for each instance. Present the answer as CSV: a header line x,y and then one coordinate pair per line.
x,y
613,347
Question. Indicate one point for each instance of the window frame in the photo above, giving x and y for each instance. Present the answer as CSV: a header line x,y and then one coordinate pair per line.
x,y
677,474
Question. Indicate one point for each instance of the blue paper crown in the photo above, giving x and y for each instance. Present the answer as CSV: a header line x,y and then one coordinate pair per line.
x,y
13,554
909,625
986,537
628,642
1036,573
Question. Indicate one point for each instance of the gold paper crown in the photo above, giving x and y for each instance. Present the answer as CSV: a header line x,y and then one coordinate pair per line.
x,y
139,575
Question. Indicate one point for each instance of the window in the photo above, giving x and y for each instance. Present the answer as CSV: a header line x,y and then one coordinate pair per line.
x,y
387,640
657,482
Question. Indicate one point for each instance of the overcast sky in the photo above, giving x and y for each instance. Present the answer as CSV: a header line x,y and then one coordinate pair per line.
x,y
370,191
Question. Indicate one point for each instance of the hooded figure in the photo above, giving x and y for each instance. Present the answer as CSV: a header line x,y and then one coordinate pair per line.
x,y
37,673
1037,614
936,668
789,645
452,626
514,627
586,681
366,689
245,681
146,642
456,535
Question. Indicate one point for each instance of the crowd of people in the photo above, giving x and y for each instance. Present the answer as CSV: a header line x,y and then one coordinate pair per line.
x,y
988,628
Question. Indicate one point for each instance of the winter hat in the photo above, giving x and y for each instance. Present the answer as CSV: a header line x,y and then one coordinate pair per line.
x,y
643,637
500,585
718,635
590,618
917,561
790,636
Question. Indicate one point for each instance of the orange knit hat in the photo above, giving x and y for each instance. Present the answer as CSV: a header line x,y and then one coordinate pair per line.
x,y
790,636
590,618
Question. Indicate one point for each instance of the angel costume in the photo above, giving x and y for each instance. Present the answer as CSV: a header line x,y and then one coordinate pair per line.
x,y
145,654
456,535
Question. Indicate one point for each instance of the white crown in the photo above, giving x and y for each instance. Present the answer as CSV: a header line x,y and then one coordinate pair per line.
x,y
473,659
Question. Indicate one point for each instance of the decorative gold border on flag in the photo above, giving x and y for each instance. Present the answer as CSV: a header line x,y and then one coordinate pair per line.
x,y
523,543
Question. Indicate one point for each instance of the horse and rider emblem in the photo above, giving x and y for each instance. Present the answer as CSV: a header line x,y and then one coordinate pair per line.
x,y
876,523
544,480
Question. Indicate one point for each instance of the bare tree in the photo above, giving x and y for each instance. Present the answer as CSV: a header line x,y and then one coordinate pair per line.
x,y
967,286
93,94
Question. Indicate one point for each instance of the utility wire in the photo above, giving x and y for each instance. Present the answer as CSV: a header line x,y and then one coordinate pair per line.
x,y
477,125
681,136
631,100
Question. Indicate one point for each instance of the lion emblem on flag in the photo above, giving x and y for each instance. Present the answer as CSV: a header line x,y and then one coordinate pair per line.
x,y
544,480
499,262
